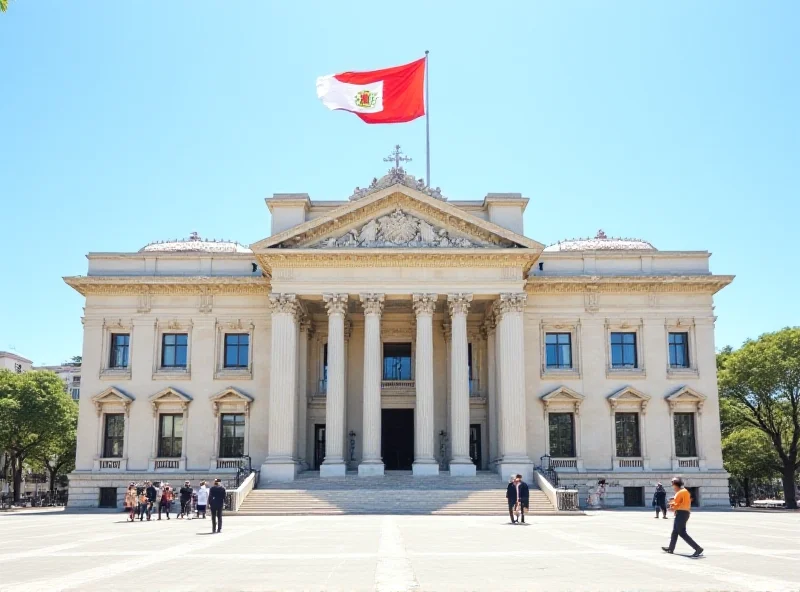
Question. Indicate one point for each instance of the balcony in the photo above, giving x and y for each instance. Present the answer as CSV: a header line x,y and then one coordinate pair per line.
x,y
388,385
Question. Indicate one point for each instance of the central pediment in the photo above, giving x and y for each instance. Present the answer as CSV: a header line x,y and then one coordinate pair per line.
x,y
397,217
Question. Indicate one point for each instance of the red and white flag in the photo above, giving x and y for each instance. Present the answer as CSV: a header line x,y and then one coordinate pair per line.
x,y
391,95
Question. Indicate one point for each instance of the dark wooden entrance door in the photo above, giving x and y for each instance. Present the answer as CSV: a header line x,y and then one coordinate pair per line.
x,y
319,444
397,439
475,444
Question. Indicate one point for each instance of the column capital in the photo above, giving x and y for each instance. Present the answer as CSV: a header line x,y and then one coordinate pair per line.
x,y
284,304
424,303
510,302
305,325
372,303
336,303
459,303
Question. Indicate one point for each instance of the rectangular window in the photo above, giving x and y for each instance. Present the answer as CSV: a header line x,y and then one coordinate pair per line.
x,y
397,361
627,428
623,350
231,441
76,394
558,349
120,345
237,350
114,435
562,435
170,436
173,350
633,497
685,444
678,350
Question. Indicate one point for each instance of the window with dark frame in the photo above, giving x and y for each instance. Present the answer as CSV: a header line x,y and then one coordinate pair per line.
x,y
237,350
623,350
685,443
120,346
678,350
469,360
170,435
558,350
562,435
114,435
396,361
174,348
627,432
231,440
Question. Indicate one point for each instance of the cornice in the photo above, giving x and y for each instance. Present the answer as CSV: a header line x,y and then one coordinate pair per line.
x,y
481,257
389,198
707,284
202,285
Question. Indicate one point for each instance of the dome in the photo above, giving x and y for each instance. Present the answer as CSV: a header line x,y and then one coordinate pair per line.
x,y
601,242
195,244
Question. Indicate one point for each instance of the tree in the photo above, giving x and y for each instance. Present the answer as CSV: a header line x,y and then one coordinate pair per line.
x,y
35,413
3,5
74,361
760,383
59,457
749,457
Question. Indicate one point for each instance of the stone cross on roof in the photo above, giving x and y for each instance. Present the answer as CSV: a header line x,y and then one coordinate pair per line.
x,y
396,157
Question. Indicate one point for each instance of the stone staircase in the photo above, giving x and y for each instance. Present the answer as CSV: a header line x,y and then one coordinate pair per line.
x,y
395,493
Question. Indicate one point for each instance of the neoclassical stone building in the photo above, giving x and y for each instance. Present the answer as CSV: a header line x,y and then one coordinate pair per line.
x,y
400,330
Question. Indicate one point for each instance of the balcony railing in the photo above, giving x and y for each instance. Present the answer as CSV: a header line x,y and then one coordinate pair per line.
x,y
689,463
167,463
228,463
564,463
630,463
109,464
388,385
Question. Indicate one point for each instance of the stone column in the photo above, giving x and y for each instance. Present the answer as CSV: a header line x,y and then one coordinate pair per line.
x,y
491,388
371,461
280,463
424,462
461,464
302,391
511,349
334,465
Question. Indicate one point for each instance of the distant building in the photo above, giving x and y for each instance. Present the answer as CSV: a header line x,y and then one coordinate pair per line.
x,y
14,362
71,375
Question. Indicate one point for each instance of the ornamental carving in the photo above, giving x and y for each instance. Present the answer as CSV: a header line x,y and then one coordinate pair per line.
x,y
335,303
424,303
399,229
284,303
510,302
396,175
459,303
372,303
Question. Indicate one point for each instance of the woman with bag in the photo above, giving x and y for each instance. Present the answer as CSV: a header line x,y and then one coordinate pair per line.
x,y
166,501
131,501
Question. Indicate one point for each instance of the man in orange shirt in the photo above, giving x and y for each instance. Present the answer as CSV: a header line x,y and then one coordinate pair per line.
x,y
681,504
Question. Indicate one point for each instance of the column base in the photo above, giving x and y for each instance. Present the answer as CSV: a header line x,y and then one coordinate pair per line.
x,y
516,467
370,469
425,469
332,469
462,469
278,471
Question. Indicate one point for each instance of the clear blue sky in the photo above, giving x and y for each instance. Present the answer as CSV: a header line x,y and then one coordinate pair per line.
x,y
126,122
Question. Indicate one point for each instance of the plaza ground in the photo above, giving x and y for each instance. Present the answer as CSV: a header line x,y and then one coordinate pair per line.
x,y
615,550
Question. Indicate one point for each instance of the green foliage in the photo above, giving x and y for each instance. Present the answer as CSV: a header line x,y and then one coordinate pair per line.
x,y
37,418
749,454
3,5
759,387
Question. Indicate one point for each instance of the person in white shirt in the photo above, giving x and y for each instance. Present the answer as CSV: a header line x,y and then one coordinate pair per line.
x,y
202,500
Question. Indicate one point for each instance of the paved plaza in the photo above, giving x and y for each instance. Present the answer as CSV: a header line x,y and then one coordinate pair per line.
x,y
601,551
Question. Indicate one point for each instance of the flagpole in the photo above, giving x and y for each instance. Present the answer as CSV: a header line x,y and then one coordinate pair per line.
x,y
427,127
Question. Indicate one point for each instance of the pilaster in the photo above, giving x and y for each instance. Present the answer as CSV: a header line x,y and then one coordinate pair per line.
x,y
372,463
334,465
460,462
424,462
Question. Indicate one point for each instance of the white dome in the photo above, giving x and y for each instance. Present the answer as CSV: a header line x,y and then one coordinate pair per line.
x,y
601,242
195,244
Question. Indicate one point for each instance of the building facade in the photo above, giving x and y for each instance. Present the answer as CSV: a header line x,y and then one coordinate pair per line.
x,y
14,362
70,374
400,330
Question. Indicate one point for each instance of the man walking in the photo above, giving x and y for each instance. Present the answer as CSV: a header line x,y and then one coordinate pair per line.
x,y
681,504
517,492
216,501
186,500
660,500
152,495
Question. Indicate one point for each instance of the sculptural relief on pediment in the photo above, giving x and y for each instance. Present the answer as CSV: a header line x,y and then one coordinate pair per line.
x,y
399,229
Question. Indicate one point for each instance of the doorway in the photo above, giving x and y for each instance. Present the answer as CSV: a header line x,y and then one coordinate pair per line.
x,y
397,439
475,445
319,444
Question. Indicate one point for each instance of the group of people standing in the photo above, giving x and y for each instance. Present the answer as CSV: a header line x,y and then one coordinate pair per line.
x,y
142,499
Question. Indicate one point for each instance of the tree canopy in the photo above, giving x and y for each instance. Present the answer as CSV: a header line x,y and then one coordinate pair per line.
x,y
760,405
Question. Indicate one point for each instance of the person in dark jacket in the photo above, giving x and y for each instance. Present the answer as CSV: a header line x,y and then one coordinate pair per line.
x,y
517,492
660,500
216,501
186,499
152,494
